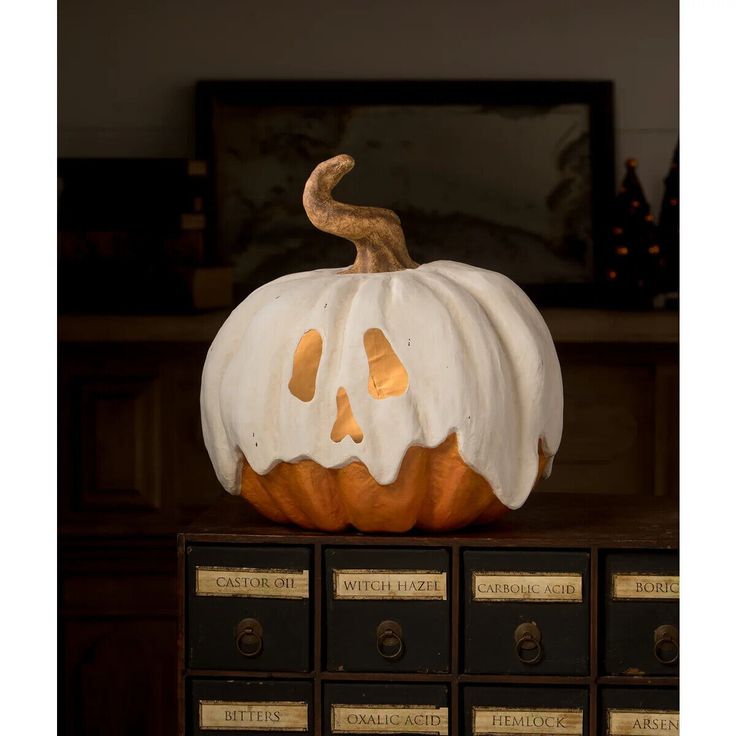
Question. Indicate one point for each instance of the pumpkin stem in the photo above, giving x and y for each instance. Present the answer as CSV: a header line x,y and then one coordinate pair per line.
x,y
376,232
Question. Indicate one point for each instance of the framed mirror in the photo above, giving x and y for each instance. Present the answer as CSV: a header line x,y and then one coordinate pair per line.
x,y
512,176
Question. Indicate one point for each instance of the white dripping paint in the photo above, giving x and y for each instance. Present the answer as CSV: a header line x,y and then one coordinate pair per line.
x,y
480,359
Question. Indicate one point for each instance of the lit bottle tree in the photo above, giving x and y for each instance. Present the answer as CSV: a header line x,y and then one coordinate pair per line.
x,y
634,251
669,229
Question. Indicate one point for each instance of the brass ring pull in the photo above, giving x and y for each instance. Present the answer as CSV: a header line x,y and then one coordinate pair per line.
x,y
390,640
666,644
528,642
249,637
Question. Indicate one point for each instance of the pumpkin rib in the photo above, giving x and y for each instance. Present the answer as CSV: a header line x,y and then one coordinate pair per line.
x,y
315,488
491,513
536,331
448,292
304,481
496,509
288,502
471,497
373,507
259,496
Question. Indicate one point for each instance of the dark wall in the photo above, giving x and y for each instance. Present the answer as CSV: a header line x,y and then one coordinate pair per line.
x,y
126,68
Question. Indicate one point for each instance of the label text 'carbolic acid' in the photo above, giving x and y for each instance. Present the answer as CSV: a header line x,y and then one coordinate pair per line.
x,y
542,587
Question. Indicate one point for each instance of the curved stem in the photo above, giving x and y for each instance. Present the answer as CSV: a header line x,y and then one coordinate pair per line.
x,y
376,232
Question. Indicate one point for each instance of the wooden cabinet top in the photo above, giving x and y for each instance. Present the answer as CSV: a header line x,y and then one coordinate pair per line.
x,y
546,520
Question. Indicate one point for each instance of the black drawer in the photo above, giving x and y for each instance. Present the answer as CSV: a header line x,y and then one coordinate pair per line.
x,y
254,707
387,610
526,612
641,710
398,708
249,608
642,613
524,710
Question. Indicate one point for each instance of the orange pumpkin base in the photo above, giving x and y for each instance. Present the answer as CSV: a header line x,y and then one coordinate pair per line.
x,y
435,490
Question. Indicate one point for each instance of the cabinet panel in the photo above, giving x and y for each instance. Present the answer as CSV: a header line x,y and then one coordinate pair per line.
x,y
249,607
608,442
130,434
253,707
526,612
387,610
621,414
119,676
547,711
119,450
400,708
642,613
638,711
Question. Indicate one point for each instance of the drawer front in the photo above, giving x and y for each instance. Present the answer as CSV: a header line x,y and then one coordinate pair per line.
x,y
642,613
250,707
640,711
541,711
526,612
249,608
387,610
393,709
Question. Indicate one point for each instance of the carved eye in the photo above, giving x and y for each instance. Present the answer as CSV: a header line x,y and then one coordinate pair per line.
x,y
306,363
386,374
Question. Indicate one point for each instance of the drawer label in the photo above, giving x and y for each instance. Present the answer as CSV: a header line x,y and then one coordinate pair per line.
x,y
250,582
220,715
427,719
492,721
635,586
528,587
400,585
636,722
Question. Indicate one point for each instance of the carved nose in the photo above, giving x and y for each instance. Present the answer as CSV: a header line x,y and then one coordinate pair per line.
x,y
345,423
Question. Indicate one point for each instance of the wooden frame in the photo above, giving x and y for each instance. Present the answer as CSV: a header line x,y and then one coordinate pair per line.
x,y
211,96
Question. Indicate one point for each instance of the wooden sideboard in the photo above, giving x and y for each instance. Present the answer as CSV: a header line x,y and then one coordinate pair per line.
x,y
133,471
566,610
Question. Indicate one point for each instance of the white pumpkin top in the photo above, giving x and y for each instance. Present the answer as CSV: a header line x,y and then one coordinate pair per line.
x,y
480,360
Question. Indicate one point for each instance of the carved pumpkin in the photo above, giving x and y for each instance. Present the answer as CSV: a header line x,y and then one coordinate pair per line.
x,y
388,395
